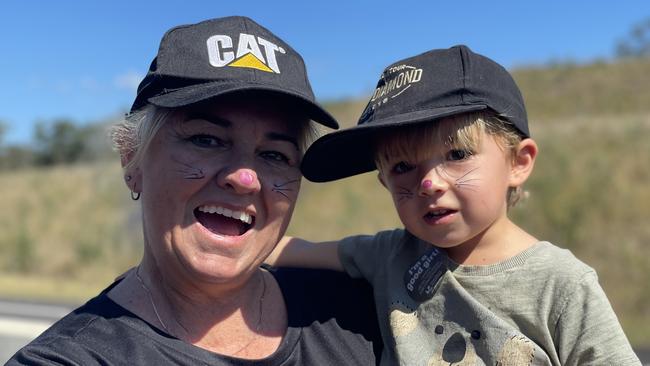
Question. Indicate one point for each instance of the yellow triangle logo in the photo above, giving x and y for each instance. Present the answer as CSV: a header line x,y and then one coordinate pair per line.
x,y
250,61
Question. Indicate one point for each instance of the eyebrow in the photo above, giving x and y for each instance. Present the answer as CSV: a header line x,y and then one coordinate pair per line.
x,y
211,119
282,137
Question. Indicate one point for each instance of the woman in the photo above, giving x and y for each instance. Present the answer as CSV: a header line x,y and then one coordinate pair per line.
x,y
212,149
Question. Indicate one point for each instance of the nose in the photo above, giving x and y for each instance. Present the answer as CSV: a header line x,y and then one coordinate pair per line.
x,y
241,180
432,183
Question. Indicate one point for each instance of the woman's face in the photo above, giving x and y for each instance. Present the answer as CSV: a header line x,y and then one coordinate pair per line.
x,y
218,186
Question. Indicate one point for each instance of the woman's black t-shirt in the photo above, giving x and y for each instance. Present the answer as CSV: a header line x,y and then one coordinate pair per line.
x,y
331,321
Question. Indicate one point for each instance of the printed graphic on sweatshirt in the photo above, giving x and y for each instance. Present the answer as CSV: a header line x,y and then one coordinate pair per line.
x,y
422,277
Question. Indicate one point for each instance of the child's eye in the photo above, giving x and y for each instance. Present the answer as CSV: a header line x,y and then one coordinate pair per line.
x,y
206,141
455,155
402,167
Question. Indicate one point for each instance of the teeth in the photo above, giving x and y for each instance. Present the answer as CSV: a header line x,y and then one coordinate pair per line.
x,y
242,216
438,212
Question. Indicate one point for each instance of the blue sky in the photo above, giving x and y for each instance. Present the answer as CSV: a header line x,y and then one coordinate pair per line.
x,y
83,59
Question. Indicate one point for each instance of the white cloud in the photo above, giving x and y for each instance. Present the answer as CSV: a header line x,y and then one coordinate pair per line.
x,y
128,80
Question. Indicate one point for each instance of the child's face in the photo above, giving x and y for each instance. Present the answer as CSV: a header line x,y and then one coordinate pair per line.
x,y
452,196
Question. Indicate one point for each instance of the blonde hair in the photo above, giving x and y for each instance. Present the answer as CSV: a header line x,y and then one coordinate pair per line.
x,y
462,132
132,136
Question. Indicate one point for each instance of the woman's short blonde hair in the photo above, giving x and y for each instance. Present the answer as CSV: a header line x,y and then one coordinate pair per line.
x,y
461,132
131,136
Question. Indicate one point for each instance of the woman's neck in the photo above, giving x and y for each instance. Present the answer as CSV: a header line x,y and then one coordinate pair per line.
x,y
248,321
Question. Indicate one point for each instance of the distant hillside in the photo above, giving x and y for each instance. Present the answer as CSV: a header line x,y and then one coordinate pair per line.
x,y
563,90
66,231
577,90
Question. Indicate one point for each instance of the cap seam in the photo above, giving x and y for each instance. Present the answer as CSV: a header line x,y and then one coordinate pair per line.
x,y
254,73
464,73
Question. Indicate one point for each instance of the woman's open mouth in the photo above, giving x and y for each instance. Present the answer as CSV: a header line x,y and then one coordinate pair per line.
x,y
224,221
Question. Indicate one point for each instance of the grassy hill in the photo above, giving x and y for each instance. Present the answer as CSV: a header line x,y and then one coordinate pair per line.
x,y
65,232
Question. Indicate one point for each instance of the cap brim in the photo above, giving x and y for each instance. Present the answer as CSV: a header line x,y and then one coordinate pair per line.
x,y
198,93
350,152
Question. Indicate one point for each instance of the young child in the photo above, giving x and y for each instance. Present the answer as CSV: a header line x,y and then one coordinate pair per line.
x,y
461,283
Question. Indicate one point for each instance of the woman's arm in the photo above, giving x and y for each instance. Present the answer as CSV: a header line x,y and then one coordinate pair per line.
x,y
296,252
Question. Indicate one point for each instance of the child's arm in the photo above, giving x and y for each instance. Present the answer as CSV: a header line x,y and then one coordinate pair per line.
x,y
296,252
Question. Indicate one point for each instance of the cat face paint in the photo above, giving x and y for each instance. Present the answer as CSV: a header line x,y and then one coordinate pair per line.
x,y
219,186
450,197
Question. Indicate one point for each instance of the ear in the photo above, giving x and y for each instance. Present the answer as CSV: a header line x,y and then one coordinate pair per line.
x,y
380,178
132,176
523,162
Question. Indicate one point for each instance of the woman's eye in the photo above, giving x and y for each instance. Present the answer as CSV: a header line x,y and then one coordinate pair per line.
x,y
455,155
205,141
402,167
275,156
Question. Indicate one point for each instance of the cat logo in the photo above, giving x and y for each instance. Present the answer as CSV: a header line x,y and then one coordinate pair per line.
x,y
247,54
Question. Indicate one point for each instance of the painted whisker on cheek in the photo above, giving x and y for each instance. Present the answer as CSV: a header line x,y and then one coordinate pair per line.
x,y
466,182
281,188
188,171
275,185
403,194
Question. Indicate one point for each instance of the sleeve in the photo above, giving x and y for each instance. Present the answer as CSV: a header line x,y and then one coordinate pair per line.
x,y
588,331
43,355
362,256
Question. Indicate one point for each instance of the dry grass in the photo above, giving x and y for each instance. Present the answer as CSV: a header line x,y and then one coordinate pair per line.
x,y
69,230
598,88
590,193
66,222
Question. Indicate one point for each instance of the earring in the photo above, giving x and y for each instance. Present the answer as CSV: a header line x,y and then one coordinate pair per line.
x,y
127,178
134,195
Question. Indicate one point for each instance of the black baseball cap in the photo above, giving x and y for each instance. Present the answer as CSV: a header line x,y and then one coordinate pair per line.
x,y
220,56
435,84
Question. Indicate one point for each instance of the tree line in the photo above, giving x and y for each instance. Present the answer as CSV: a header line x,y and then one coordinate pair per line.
x,y
61,141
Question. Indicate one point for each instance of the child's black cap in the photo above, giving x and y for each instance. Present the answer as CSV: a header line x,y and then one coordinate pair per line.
x,y
432,85
220,56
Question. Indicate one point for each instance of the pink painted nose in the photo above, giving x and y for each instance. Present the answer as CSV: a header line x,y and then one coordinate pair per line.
x,y
242,180
427,184
246,177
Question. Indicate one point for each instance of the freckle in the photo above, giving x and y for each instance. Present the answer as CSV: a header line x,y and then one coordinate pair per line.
x,y
246,177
